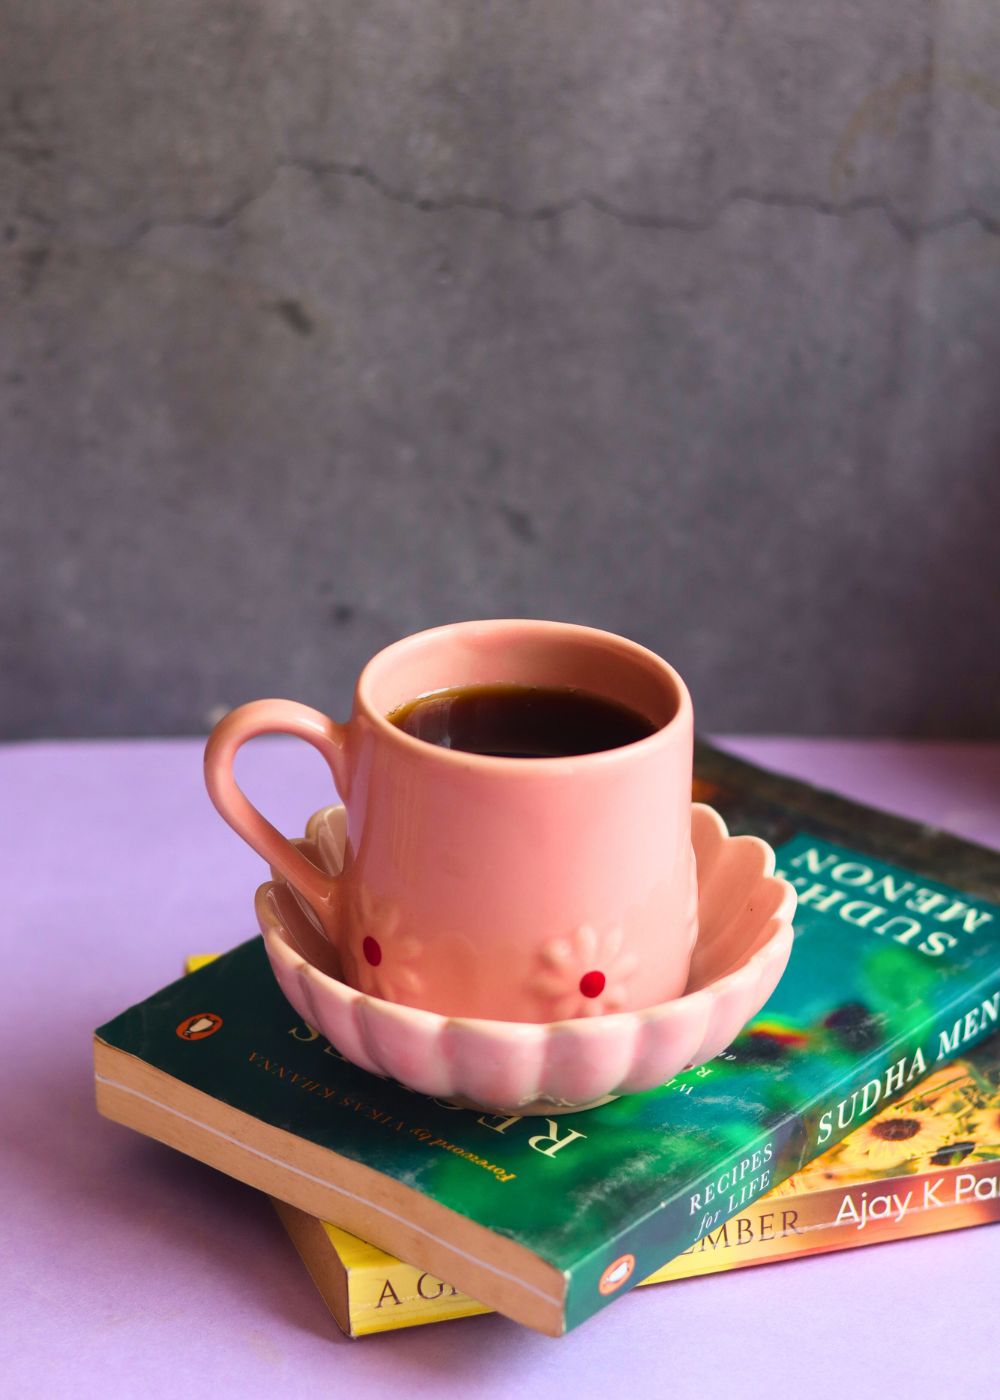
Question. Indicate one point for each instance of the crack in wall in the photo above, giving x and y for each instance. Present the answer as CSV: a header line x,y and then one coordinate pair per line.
x,y
909,230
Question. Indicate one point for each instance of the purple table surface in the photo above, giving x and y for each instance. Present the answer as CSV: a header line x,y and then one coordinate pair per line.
x,y
130,1270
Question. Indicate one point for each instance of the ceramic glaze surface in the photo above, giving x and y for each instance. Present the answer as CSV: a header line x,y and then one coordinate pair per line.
x,y
504,888
744,940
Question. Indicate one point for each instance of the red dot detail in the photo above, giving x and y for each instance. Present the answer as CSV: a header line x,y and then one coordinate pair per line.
x,y
592,984
372,951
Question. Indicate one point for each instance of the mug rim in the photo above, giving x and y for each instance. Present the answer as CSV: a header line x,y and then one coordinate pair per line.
x,y
681,718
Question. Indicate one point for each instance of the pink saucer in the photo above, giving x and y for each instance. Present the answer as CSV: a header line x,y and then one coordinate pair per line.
x,y
744,941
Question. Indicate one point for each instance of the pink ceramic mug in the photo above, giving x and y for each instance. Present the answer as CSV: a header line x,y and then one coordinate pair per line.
x,y
519,889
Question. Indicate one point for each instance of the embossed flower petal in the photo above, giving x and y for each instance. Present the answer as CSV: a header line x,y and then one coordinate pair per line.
x,y
585,939
365,905
408,979
612,943
625,965
366,978
587,978
589,1007
557,953
374,916
551,984
383,961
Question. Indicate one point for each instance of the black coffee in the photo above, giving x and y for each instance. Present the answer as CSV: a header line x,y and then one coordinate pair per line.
x,y
521,721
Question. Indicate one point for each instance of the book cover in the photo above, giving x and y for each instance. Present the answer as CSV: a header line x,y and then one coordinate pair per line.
x,y
895,971
929,1163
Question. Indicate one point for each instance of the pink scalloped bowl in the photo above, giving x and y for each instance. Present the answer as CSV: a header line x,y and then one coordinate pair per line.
x,y
745,937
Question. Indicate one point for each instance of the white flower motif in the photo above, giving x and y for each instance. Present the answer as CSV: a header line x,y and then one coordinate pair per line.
x,y
585,973
385,962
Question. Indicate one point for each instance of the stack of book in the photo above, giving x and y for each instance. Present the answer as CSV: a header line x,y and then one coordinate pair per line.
x,y
862,1105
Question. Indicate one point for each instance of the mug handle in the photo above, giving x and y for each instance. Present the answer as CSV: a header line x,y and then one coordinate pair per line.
x,y
224,742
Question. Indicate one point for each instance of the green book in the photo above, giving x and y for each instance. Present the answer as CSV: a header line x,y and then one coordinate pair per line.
x,y
895,970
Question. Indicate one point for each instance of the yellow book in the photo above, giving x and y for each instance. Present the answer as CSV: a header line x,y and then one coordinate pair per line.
x,y
929,1163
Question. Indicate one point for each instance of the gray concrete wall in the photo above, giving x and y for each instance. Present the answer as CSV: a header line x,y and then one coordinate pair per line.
x,y
323,321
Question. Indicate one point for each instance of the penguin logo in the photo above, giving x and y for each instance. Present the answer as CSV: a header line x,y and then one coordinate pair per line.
x,y
200,1026
617,1273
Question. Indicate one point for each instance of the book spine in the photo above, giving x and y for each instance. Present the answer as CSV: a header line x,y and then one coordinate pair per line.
x,y
394,1295
794,1226
770,1157
845,1217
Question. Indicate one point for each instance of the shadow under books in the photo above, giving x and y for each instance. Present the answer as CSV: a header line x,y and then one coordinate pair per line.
x,y
164,1206
158,1202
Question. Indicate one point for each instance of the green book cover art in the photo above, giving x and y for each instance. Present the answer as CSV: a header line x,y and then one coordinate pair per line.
x,y
893,972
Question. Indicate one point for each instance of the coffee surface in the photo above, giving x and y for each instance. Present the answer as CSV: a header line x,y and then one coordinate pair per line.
x,y
521,721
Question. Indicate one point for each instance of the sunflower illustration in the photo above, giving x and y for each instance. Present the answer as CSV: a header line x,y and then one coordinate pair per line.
x,y
896,1137
585,973
951,1089
817,1176
983,1127
950,1155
